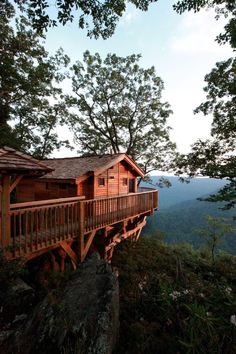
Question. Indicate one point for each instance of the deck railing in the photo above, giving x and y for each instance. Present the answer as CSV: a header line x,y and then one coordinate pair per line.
x,y
38,225
106,211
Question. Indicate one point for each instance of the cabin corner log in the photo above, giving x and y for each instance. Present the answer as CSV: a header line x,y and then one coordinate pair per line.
x,y
32,228
5,212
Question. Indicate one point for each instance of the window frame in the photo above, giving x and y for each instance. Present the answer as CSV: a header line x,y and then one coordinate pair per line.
x,y
101,182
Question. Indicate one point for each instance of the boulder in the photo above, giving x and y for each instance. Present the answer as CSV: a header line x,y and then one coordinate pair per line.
x,y
82,318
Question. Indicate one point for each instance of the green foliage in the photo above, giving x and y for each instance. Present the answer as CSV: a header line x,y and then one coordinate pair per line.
x,y
214,232
99,18
120,110
216,157
10,270
180,223
226,8
9,300
31,102
173,300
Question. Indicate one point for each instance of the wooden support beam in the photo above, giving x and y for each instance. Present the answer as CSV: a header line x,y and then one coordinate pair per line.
x,y
15,182
55,265
5,211
88,244
81,232
139,231
73,256
62,255
118,238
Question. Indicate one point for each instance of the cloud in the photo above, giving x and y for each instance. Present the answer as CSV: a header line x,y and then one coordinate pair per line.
x,y
196,33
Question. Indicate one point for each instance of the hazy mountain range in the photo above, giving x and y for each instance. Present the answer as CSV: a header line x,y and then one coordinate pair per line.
x,y
182,191
181,215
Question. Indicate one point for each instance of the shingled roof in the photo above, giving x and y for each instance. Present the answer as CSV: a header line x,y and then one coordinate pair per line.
x,y
74,167
15,161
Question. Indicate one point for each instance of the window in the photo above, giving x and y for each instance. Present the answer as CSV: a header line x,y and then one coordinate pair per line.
x,y
101,181
125,181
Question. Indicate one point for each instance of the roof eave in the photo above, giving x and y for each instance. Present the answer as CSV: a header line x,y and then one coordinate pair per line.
x,y
118,159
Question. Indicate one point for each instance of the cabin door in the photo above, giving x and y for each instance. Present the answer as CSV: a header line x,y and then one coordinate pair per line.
x,y
131,185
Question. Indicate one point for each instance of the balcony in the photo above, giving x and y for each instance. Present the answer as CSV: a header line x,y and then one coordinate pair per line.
x,y
41,225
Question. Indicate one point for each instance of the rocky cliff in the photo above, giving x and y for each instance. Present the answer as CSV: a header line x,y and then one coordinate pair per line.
x,y
82,318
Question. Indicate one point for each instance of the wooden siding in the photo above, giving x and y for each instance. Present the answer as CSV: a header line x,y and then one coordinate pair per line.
x,y
29,190
86,188
114,181
25,191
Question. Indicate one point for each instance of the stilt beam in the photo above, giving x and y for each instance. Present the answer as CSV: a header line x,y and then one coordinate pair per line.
x,y
118,238
62,255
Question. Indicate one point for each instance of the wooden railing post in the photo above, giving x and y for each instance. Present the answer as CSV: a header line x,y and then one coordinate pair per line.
x,y
5,212
81,230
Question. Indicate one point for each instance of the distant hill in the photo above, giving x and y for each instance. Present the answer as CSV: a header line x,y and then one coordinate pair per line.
x,y
179,220
180,192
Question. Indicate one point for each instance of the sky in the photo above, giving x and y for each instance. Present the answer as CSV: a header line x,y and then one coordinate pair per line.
x,y
182,49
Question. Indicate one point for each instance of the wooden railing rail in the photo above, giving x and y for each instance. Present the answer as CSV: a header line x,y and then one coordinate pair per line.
x,y
106,211
34,228
41,224
45,202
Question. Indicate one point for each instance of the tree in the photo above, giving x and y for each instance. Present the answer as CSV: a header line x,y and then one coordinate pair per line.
x,y
215,230
215,157
120,110
226,8
99,17
31,103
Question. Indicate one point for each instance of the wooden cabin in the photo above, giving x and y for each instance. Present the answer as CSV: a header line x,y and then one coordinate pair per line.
x,y
70,205
91,177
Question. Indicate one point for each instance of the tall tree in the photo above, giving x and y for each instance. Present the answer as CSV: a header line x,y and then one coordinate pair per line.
x,y
215,157
99,17
120,110
31,102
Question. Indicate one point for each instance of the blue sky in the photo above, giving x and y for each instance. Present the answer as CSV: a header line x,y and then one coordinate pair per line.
x,y
181,47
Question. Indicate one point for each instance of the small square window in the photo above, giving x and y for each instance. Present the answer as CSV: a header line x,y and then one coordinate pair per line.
x,y
125,181
101,181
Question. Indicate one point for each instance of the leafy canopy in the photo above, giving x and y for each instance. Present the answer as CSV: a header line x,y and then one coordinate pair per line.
x,y
226,8
216,157
99,17
120,110
31,102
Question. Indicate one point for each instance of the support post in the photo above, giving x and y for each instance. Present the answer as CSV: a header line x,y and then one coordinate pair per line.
x,y
81,231
5,212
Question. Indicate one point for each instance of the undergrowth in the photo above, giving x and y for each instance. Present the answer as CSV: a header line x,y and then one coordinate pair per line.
x,y
174,300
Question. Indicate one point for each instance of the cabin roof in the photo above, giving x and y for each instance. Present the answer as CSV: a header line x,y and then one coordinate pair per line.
x,y
13,161
75,167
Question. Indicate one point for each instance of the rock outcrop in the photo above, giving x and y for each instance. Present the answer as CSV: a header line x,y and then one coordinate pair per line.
x,y
81,319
